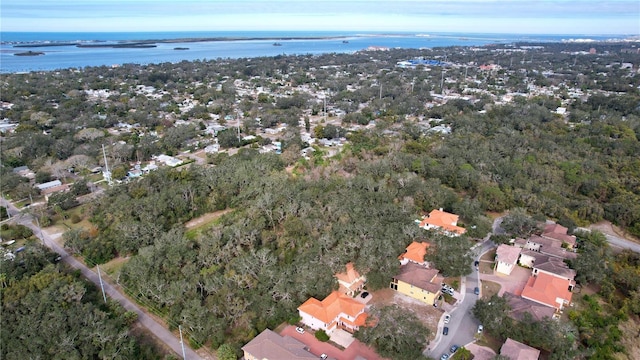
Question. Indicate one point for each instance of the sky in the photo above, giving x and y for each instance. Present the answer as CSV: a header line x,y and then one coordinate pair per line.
x,y
415,16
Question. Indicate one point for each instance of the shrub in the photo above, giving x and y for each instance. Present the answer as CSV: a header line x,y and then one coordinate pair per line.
x,y
322,335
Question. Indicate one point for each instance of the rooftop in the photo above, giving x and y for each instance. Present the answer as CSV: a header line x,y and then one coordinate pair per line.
x,y
420,277
507,254
332,306
270,346
548,290
515,350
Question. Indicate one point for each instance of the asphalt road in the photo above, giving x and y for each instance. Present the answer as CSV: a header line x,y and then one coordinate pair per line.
x,y
463,325
618,241
154,327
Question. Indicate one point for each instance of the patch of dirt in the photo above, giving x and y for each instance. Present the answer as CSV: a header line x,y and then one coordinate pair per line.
x,y
206,218
427,314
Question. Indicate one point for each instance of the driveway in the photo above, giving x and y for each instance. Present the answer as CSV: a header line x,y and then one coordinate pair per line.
x,y
318,347
513,283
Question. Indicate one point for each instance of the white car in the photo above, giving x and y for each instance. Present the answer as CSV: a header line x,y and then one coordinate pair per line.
x,y
299,330
447,318
480,328
323,356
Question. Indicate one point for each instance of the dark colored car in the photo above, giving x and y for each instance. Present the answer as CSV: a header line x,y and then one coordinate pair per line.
x,y
476,290
476,263
454,348
364,294
445,331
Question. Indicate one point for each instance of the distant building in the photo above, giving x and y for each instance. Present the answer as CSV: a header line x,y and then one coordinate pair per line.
x,y
48,185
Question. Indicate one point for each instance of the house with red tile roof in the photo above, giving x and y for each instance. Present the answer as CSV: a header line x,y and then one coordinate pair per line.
x,y
515,350
268,345
506,258
548,290
415,253
443,221
336,310
559,233
418,282
351,281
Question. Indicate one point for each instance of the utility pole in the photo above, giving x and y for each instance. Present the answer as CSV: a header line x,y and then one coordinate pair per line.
x,y
324,105
106,173
37,221
442,83
101,285
184,355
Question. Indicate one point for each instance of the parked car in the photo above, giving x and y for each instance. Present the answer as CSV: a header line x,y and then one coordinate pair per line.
x,y
445,331
476,290
480,328
444,357
454,348
447,318
299,330
323,356
364,294
476,263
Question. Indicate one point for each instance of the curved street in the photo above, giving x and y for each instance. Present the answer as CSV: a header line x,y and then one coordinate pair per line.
x,y
160,332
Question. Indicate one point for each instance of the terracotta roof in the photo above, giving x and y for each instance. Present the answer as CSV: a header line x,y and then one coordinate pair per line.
x,y
444,220
519,306
516,350
420,277
271,346
415,252
331,307
555,266
350,276
545,289
507,254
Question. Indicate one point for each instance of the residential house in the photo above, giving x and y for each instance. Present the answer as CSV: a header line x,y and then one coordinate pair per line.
x,y
443,221
559,233
546,246
506,258
49,184
55,189
350,282
554,267
418,282
515,350
336,310
415,253
548,290
268,345
519,306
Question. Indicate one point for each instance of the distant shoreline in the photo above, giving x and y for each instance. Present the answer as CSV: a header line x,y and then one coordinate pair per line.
x,y
152,42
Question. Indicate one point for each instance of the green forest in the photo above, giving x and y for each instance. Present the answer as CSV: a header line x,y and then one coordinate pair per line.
x,y
49,312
